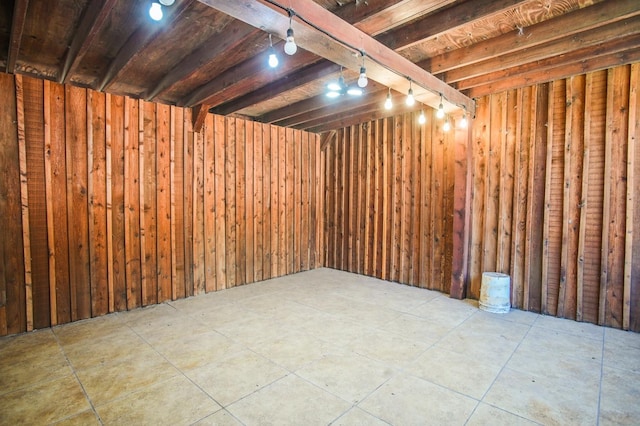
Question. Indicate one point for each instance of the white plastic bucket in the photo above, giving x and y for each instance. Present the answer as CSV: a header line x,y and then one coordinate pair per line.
x,y
495,293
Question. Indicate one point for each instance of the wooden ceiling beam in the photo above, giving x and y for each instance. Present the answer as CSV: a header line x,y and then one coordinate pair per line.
x,y
92,21
587,39
243,78
234,35
590,64
569,59
327,37
305,75
563,26
368,19
444,21
364,17
17,28
138,41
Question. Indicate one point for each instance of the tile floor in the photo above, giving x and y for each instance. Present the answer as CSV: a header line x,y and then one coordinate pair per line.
x,y
321,347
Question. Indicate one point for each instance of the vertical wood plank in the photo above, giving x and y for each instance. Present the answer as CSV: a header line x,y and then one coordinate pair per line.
x,y
613,226
77,202
261,215
631,305
306,242
97,198
282,202
405,196
12,285
132,199
148,202
178,288
116,174
198,213
27,323
33,120
240,219
189,203
220,201
249,218
210,236
163,203
276,180
48,182
230,190
109,201
267,205
289,201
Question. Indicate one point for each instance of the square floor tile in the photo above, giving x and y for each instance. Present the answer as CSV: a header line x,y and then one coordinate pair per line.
x,y
346,374
408,400
236,376
620,395
289,401
487,415
542,400
43,403
176,401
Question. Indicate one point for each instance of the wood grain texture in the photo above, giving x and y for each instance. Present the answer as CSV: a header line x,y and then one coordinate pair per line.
x,y
127,206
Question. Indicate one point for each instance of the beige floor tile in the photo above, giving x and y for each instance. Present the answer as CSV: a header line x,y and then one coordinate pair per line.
x,y
514,315
254,329
173,327
23,363
581,329
236,376
118,346
88,330
86,418
293,350
485,347
387,347
347,375
620,395
219,418
565,343
408,400
542,400
564,369
445,311
358,417
417,328
175,401
44,403
487,415
622,350
337,331
110,381
455,371
188,352
289,401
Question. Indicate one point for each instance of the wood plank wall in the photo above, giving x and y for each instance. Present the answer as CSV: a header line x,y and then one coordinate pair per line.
x,y
555,198
111,203
389,197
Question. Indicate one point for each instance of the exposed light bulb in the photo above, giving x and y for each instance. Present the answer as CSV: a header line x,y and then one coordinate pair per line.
x,y
167,2
290,47
446,127
273,60
333,86
362,80
388,104
422,119
333,94
354,91
464,122
155,11
410,99
440,113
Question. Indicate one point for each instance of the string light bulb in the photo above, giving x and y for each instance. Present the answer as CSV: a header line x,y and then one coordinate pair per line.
x,y
447,126
440,113
410,99
362,80
422,119
167,2
290,47
464,123
388,104
273,58
155,11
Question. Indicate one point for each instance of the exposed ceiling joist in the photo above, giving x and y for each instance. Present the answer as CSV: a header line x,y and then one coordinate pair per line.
x,y
17,27
326,35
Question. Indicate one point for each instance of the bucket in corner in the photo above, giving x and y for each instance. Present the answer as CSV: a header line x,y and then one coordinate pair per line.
x,y
495,293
